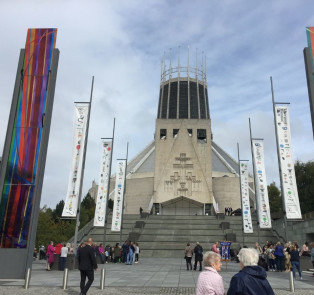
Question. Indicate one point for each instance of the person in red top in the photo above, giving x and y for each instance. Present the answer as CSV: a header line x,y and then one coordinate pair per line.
x,y
215,248
58,248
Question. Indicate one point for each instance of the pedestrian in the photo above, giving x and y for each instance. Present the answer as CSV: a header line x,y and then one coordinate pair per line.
x,y
188,254
41,252
271,258
137,252
50,255
141,211
295,261
226,210
210,281
198,251
101,251
305,250
87,265
312,255
279,256
117,254
251,279
63,257
130,255
125,251
215,248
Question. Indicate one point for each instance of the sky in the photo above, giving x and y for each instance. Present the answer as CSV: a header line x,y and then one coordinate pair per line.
x,y
121,44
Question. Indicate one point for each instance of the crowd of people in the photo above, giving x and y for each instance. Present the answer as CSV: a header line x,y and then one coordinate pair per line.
x,y
228,211
284,257
127,253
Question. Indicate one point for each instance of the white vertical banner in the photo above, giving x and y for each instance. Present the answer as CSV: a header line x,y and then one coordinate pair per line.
x,y
100,210
80,123
245,198
118,196
261,184
290,191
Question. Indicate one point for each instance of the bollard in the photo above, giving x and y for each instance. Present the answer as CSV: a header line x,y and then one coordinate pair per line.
x,y
102,279
65,278
27,278
291,282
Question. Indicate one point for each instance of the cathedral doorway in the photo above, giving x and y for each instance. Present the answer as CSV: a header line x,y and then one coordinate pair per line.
x,y
182,206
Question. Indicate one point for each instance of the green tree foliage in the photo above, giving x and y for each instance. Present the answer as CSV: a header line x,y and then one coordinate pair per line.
x,y
274,196
51,227
305,183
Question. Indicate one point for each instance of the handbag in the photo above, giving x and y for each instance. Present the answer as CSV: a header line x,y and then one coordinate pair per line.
x,y
185,257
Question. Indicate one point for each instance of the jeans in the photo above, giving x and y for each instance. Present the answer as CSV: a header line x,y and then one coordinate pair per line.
x,y
62,262
188,263
296,264
272,264
279,262
195,264
90,275
129,259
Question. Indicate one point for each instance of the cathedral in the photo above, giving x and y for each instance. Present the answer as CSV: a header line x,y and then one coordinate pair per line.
x,y
182,171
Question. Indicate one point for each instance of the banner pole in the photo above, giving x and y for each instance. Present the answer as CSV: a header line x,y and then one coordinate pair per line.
x,y
126,169
240,194
279,164
77,224
254,182
108,186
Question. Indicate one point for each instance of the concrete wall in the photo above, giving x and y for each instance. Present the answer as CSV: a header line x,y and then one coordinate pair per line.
x,y
193,179
227,192
296,231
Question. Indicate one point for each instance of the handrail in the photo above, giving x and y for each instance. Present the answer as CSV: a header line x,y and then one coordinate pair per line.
x,y
150,204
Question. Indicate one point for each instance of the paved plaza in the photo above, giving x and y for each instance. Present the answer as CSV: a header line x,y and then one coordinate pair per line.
x,y
150,276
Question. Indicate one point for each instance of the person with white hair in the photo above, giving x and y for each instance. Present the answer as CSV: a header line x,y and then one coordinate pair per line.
x,y
251,279
210,281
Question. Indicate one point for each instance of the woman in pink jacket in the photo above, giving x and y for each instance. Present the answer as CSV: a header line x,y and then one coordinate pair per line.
x,y
210,281
50,254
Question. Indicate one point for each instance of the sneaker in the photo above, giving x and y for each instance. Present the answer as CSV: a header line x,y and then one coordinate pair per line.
x,y
301,278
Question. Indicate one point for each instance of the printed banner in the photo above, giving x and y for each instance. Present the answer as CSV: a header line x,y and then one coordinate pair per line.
x,y
71,201
290,191
261,184
103,189
310,41
246,211
118,196
225,250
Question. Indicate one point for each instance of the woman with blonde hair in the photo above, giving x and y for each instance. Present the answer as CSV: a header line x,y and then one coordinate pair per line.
x,y
210,281
295,261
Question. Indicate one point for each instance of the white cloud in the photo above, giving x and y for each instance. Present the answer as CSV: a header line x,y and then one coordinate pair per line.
x,y
121,43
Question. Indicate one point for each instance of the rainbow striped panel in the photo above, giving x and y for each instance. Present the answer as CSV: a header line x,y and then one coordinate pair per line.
x,y
20,178
310,41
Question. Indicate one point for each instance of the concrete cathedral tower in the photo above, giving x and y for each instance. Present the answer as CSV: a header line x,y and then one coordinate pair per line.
x,y
183,167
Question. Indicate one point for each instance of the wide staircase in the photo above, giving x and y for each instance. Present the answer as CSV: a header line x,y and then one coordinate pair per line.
x,y
167,235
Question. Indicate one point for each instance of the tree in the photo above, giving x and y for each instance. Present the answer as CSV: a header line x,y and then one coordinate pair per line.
x,y
305,182
274,196
57,213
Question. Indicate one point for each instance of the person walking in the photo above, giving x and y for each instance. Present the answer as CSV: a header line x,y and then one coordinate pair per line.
x,y
50,254
137,252
295,261
63,256
188,252
210,281
87,265
101,251
130,256
116,253
198,251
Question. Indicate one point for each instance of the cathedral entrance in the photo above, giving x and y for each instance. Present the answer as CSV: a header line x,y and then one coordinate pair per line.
x,y
182,206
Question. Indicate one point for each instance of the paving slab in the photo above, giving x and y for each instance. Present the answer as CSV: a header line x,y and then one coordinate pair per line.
x,y
149,276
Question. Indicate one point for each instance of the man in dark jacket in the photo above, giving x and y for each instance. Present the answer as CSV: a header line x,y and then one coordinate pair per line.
x,y
198,251
87,265
251,279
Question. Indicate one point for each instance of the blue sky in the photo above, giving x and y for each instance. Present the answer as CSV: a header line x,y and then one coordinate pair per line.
x,y
121,43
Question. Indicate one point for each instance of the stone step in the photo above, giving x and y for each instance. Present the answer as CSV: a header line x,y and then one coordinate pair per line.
x,y
179,238
187,221
182,226
182,217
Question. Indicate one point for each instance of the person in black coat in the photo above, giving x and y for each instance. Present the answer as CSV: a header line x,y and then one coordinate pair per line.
x,y
198,251
251,279
87,265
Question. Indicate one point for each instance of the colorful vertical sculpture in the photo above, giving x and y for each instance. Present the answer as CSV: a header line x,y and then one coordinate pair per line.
x,y
310,41
20,181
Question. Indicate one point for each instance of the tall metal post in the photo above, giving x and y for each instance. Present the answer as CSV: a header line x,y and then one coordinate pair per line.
x,y
240,194
279,164
126,169
108,186
254,181
82,174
